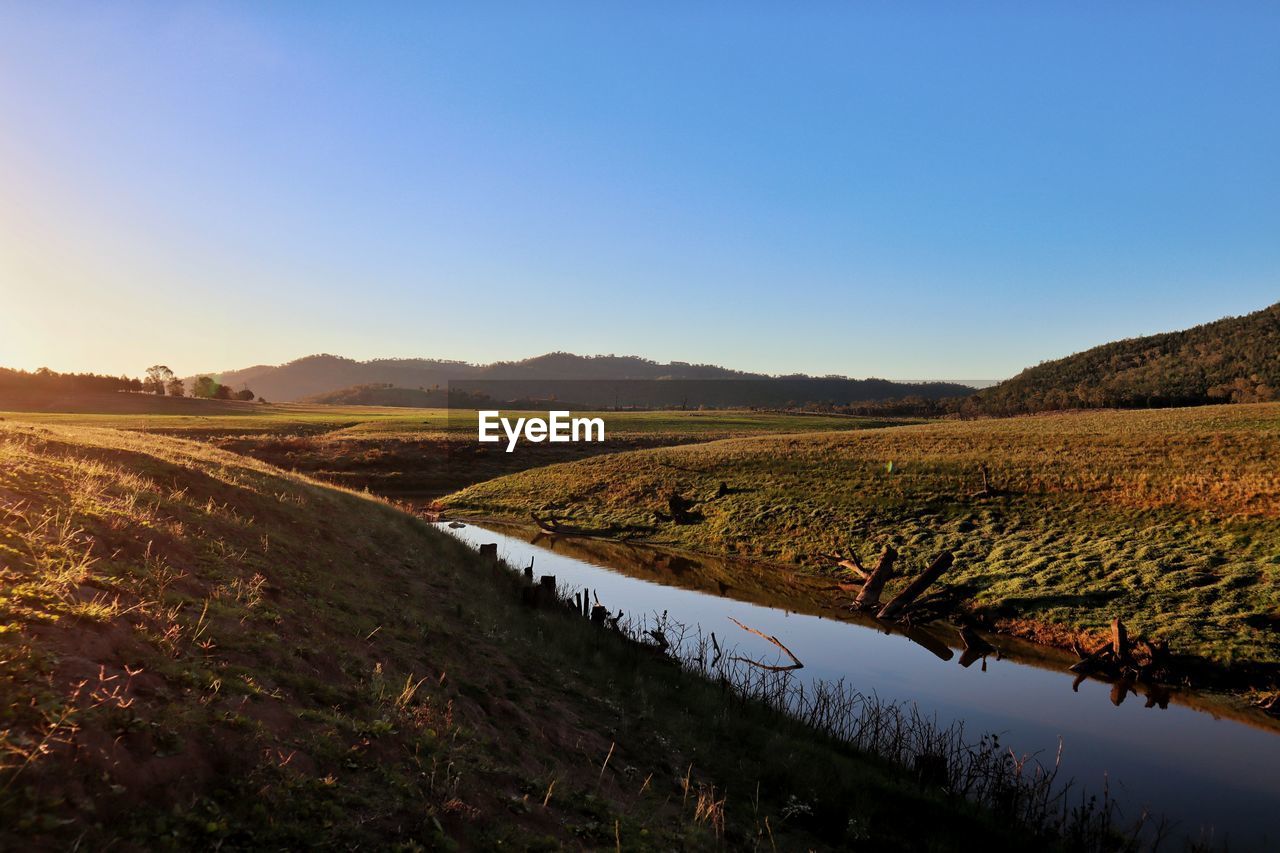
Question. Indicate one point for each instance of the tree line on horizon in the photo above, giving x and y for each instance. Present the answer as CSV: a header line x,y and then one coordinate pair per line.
x,y
159,380
1233,360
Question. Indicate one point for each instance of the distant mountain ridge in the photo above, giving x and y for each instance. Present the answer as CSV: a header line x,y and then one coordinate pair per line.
x,y
1232,360
322,375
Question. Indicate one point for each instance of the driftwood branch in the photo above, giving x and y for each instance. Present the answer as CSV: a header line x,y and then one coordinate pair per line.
x,y
795,661
852,564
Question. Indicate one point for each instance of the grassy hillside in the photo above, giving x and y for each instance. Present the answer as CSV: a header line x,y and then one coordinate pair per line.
x,y
198,650
1236,360
1168,518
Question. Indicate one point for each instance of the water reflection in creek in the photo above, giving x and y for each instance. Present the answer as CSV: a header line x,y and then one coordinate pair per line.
x,y
1176,753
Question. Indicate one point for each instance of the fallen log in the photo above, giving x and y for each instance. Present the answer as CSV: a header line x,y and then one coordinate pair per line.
x,y
870,595
916,588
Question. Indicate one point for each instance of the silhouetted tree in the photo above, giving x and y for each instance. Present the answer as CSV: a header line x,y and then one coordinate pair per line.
x,y
204,387
158,377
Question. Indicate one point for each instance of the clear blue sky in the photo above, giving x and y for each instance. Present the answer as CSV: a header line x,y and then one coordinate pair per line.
x,y
903,190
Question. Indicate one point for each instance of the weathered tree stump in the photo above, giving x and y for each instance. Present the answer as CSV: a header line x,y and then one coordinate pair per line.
x,y
870,594
1120,642
490,550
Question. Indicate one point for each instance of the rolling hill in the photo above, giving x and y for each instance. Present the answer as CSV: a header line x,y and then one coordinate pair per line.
x,y
1233,360
593,381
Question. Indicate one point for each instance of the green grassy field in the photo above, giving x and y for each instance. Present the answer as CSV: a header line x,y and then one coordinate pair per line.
x,y
197,418
198,650
410,454
1169,519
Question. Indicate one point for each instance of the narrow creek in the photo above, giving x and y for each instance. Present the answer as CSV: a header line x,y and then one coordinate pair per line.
x,y
1212,770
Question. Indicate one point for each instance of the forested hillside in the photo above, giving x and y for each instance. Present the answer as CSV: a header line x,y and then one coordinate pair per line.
x,y
588,380
1233,360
